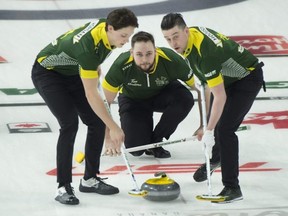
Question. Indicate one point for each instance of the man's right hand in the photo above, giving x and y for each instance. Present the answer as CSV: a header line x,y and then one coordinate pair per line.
x,y
114,141
208,140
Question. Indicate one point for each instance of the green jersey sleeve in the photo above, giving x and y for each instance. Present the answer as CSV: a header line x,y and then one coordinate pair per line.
x,y
115,76
80,50
215,59
177,66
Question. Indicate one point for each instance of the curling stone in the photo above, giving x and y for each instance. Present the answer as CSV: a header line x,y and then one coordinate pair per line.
x,y
161,188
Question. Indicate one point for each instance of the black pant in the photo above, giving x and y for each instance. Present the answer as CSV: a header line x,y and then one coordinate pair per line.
x,y
65,97
174,102
240,97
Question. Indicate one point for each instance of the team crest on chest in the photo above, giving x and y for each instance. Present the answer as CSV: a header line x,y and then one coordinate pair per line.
x,y
161,81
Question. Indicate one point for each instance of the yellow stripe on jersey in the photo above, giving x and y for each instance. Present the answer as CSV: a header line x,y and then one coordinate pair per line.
x,y
156,63
130,59
191,81
99,33
215,81
88,74
251,69
39,60
162,54
159,53
108,87
195,38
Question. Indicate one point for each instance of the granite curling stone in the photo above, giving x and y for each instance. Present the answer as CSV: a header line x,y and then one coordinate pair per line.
x,y
161,188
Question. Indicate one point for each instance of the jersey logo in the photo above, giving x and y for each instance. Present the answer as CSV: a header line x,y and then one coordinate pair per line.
x,y
127,66
77,37
162,81
212,37
210,74
134,82
241,49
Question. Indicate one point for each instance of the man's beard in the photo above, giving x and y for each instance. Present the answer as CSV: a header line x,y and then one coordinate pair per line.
x,y
148,70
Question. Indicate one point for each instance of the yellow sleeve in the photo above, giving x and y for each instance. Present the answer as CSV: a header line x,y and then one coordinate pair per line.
x,y
109,87
191,81
88,74
215,81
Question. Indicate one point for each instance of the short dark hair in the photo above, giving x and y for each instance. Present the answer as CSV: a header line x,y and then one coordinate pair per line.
x,y
121,18
172,19
142,36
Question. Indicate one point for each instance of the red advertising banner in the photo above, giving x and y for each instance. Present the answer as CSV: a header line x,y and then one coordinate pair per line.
x,y
264,45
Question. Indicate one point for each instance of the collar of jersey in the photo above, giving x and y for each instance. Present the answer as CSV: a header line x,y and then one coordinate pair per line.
x,y
99,33
156,62
195,39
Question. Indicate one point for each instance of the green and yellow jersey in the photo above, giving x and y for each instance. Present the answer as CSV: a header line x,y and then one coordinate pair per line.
x,y
79,51
215,59
124,75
